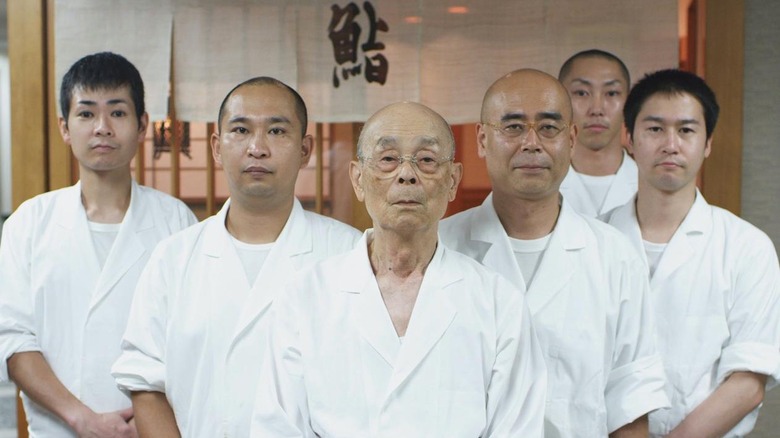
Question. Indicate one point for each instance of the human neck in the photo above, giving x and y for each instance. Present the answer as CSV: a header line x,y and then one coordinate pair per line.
x,y
401,255
527,219
661,213
105,195
602,162
257,222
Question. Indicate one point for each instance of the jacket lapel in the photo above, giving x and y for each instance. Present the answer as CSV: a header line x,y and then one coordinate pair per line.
x,y
559,261
485,229
127,248
623,186
681,247
279,268
432,314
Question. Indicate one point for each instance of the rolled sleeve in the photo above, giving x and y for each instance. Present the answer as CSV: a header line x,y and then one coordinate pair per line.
x,y
141,364
17,315
753,357
634,390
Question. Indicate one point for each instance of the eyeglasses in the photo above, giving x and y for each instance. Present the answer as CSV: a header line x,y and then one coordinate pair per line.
x,y
425,163
545,129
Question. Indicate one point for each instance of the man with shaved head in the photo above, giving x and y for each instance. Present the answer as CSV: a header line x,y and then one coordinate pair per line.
x,y
402,337
199,323
586,286
602,175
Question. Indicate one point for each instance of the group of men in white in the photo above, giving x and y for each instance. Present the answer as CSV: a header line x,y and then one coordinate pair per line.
x,y
592,294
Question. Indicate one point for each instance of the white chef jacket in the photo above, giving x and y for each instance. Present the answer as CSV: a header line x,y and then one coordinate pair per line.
x,y
623,188
172,344
55,298
716,296
469,365
590,305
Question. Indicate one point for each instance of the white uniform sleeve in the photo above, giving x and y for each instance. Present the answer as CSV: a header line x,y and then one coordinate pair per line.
x,y
17,322
141,364
754,314
281,407
635,384
518,383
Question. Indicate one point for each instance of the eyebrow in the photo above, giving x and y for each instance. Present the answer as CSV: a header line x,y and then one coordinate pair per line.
x,y
93,103
271,120
608,83
545,115
659,119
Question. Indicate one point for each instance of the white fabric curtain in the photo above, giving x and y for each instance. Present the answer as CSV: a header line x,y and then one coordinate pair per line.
x,y
350,58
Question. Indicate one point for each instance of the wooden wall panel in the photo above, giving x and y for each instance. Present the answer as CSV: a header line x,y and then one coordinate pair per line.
x,y
60,160
724,60
27,62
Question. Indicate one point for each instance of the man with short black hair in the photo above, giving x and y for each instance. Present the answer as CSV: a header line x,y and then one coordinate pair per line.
x,y
715,278
70,260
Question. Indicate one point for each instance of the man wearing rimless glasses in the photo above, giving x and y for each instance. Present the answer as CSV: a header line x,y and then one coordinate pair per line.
x,y
586,286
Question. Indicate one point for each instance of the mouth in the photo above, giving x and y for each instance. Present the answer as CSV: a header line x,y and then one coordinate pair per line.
x,y
596,127
669,164
532,167
257,170
103,147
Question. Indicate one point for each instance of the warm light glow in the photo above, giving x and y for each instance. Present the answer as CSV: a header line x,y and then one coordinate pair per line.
x,y
458,10
413,19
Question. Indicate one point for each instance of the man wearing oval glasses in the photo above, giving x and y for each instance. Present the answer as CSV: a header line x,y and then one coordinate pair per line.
x,y
402,337
586,286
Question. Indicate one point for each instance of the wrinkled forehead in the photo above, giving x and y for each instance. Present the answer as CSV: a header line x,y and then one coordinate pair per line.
x,y
406,132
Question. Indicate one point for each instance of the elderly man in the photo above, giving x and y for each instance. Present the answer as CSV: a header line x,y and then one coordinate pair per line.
x,y
70,260
587,289
602,176
198,326
402,337
715,278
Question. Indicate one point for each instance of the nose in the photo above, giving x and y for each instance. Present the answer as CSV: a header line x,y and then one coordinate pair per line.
x,y
672,143
406,173
530,142
103,125
258,147
596,105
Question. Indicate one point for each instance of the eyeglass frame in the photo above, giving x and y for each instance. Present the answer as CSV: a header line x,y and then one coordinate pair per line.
x,y
532,125
401,159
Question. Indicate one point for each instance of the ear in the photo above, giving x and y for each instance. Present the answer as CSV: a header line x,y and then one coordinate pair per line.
x,y
307,144
455,177
630,144
573,130
64,131
216,148
143,125
481,140
708,147
355,175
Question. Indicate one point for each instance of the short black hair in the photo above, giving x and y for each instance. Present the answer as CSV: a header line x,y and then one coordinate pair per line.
x,y
300,105
102,71
594,53
671,82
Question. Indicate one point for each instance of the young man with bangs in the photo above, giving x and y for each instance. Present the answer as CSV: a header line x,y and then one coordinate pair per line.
x,y
70,260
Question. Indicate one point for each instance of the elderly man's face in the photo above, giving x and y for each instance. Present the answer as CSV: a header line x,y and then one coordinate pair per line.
x,y
526,135
405,176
